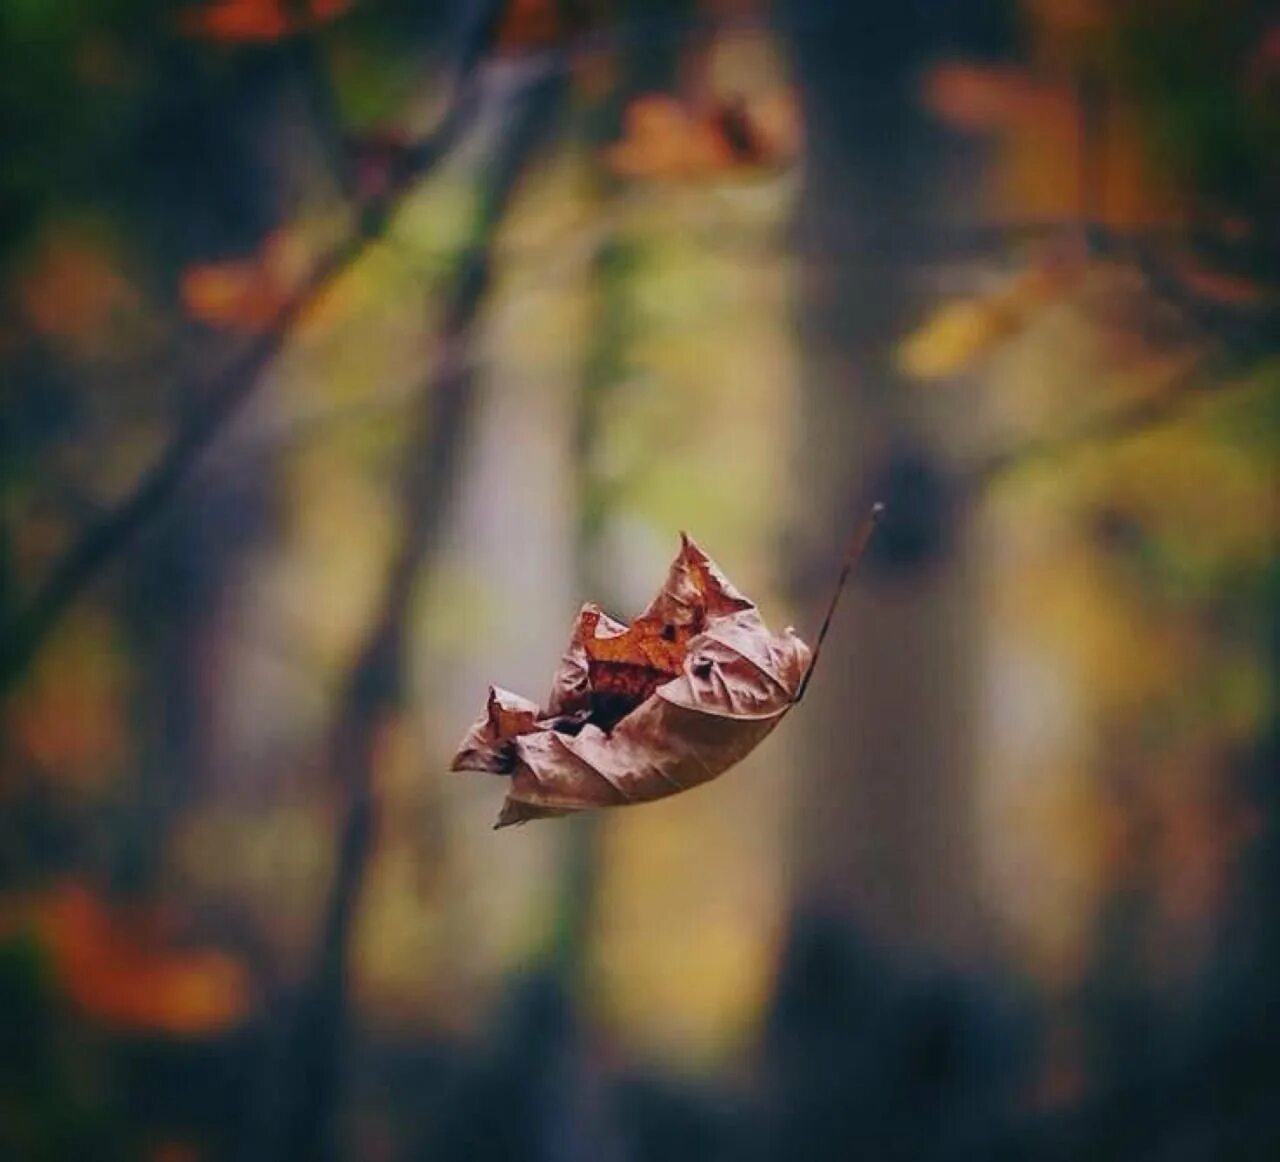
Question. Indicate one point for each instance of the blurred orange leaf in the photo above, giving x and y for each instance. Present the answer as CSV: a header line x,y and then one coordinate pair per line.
x,y
73,291
643,711
117,967
69,716
1038,123
528,24
982,98
174,1151
665,138
258,20
1213,285
246,294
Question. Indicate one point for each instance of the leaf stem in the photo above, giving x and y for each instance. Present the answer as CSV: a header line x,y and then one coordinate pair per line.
x,y
857,546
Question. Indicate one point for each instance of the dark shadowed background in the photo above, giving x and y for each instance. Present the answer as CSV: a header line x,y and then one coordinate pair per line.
x,y
348,346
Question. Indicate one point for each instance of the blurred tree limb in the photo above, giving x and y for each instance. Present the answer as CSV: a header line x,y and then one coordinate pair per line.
x,y
219,399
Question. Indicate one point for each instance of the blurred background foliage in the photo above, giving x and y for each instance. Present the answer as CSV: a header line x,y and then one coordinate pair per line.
x,y
349,345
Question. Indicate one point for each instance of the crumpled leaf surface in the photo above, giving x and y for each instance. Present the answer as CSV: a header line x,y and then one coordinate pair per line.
x,y
642,711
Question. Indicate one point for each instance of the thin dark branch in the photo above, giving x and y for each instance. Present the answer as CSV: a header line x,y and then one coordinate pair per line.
x,y
857,546
111,532
1250,326
217,402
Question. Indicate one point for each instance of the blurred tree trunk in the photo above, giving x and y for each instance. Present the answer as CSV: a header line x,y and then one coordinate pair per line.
x,y
206,179
306,1085
644,64
884,831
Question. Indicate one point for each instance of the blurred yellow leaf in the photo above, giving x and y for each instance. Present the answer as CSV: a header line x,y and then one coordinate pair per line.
x,y
962,332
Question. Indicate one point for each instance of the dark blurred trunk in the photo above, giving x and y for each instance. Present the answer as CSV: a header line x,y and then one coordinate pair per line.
x,y
201,179
644,64
305,1090
884,832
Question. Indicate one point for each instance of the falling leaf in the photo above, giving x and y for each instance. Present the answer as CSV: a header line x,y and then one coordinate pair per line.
x,y
258,20
643,711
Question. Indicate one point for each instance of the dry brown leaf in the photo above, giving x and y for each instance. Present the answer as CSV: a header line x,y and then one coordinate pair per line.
x,y
643,711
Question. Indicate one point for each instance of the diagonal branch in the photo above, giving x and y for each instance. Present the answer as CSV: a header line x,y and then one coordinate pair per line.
x,y
219,401
113,530
1191,383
